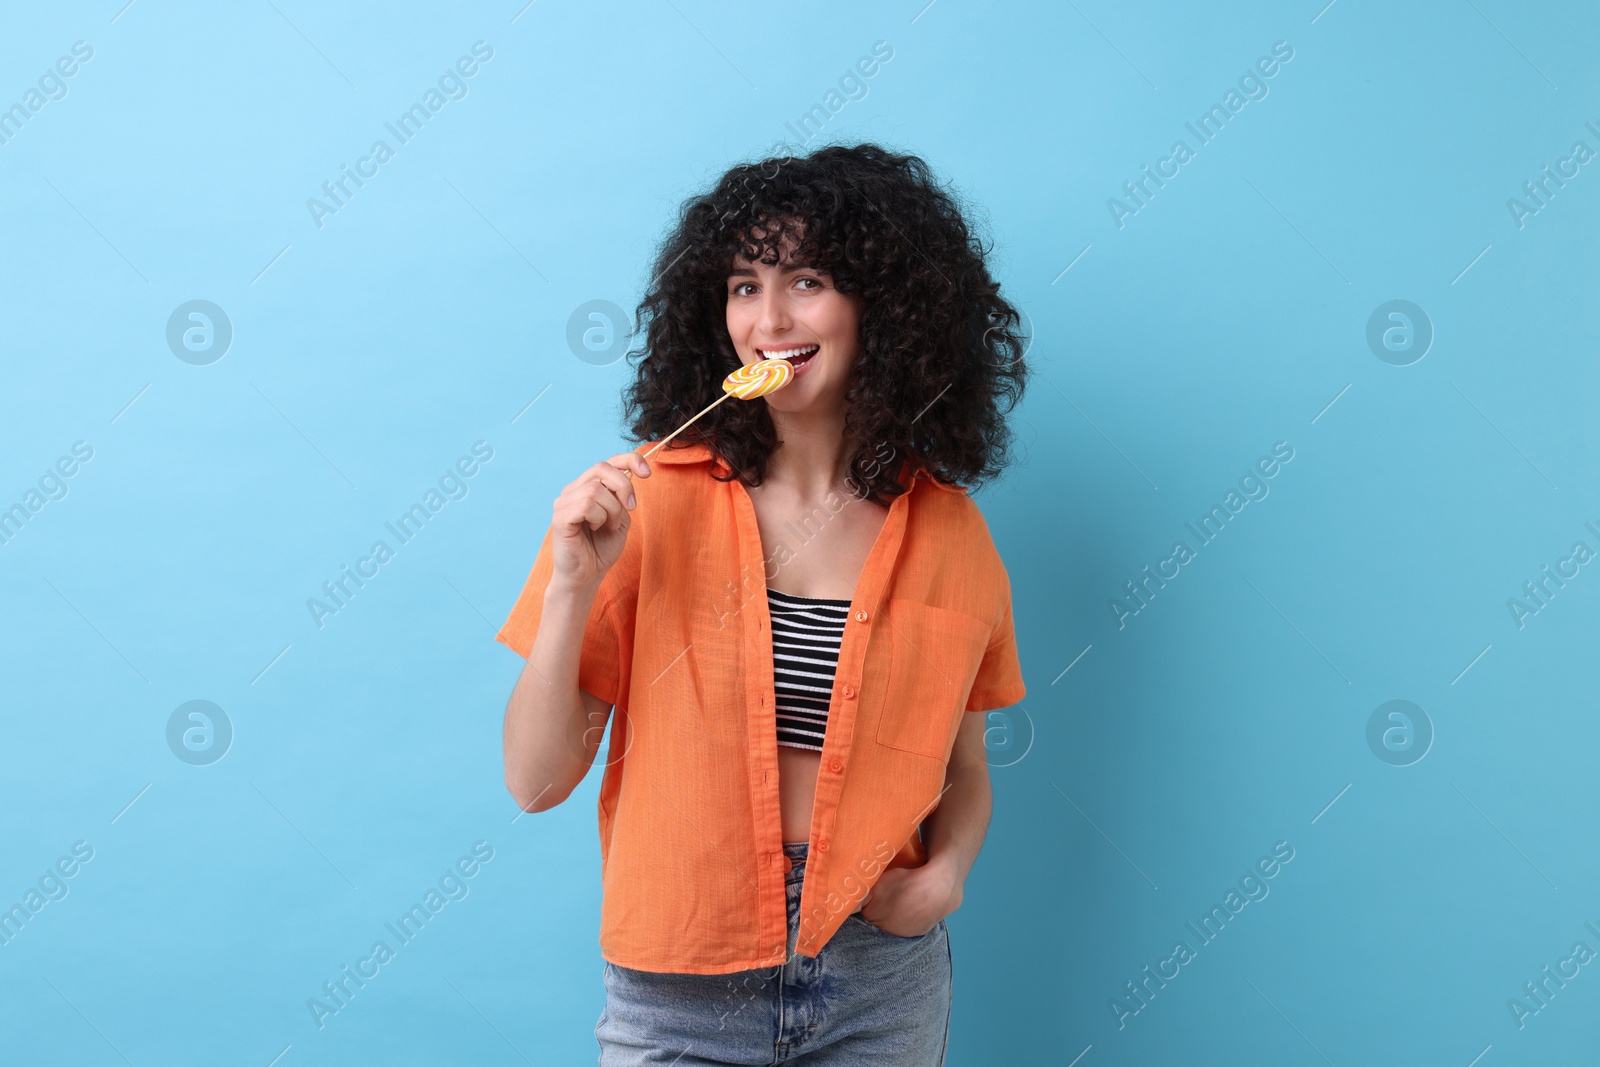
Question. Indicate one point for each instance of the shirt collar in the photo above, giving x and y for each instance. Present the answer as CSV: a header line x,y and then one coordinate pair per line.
x,y
700,452
693,452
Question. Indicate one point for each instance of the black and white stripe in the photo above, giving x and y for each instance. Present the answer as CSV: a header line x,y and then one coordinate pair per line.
x,y
806,633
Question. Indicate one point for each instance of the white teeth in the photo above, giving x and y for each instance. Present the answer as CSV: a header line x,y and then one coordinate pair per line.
x,y
789,353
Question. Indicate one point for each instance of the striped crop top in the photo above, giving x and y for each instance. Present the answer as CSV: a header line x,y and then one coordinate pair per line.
x,y
806,634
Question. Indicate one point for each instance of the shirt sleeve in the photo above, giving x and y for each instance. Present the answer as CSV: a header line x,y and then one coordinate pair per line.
x,y
999,680
606,662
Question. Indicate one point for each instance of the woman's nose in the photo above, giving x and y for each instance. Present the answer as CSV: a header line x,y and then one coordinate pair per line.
x,y
775,314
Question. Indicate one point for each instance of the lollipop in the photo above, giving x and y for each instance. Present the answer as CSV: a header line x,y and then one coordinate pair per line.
x,y
757,379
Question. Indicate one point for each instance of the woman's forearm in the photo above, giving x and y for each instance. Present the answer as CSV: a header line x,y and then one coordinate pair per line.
x,y
954,831
549,744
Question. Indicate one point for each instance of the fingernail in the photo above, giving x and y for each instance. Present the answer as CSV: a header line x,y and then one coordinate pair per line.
x,y
630,500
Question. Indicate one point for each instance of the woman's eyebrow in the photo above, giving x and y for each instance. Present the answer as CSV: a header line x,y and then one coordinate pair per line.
x,y
797,268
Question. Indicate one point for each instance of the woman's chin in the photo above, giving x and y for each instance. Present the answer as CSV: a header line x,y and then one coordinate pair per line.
x,y
792,398
806,394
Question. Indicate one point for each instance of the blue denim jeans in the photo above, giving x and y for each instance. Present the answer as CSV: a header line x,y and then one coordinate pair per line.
x,y
868,997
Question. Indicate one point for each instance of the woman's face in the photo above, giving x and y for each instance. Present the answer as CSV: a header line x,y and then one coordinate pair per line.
x,y
786,310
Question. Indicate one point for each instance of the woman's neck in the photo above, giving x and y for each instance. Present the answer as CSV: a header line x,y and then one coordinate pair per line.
x,y
812,460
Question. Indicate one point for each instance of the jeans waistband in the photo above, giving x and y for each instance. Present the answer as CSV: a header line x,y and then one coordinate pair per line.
x,y
796,854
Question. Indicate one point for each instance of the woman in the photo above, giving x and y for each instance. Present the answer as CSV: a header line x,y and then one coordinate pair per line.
x,y
792,607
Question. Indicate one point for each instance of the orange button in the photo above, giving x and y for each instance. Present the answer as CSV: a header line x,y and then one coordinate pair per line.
x,y
861,615
849,692
822,844
836,765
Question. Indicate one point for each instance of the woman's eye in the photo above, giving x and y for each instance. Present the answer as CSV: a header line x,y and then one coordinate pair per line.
x,y
740,286
811,281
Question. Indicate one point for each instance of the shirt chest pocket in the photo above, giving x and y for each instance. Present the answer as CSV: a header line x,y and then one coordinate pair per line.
x,y
933,658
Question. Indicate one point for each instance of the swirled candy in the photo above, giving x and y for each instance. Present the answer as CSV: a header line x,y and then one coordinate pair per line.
x,y
758,378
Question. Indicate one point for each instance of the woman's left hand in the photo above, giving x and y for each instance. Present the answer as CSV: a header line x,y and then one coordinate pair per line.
x,y
910,901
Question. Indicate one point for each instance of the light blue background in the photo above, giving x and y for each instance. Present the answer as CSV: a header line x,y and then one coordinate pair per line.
x,y
1228,314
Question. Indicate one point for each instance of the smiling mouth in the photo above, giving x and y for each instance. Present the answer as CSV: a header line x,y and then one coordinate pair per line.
x,y
797,356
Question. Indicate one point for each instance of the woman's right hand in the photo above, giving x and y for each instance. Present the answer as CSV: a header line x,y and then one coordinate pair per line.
x,y
590,520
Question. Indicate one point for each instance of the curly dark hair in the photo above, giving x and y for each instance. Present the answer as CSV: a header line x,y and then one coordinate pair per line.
x,y
940,347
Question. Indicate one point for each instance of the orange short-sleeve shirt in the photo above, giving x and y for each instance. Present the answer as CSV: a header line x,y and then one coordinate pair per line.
x,y
680,642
